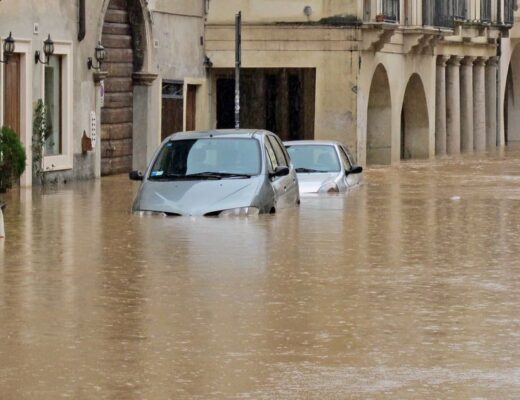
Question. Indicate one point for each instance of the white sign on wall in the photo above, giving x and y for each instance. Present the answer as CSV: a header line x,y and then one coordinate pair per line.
x,y
102,94
93,128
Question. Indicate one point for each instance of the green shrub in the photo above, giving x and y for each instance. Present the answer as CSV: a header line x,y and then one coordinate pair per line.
x,y
12,158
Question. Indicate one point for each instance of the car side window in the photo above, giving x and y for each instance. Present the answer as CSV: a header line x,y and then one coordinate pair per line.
x,y
273,163
344,158
280,155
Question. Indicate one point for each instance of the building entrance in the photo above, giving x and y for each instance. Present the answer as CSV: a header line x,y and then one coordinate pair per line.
x,y
280,100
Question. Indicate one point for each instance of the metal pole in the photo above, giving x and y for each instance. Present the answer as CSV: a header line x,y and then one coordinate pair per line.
x,y
238,63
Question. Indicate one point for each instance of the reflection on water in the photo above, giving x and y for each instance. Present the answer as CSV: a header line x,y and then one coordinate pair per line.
x,y
408,287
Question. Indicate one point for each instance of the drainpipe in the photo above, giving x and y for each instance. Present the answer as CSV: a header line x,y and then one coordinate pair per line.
x,y
499,75
82,30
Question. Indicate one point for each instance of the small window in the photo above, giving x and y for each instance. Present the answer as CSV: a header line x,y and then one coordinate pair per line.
x,y
53,96
345,159
172,89
271,156
279,153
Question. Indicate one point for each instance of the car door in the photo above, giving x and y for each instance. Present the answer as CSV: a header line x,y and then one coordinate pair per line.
x,y
292,191
281,184
350,179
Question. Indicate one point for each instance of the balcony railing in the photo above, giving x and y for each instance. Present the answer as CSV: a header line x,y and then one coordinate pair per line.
x,y
509,12
485,11
443,13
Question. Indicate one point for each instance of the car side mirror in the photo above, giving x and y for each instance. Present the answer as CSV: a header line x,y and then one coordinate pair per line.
x,y
355,170
280,171
136,176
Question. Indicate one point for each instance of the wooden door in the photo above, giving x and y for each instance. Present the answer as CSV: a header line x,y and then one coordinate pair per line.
x,y
191,99
12,93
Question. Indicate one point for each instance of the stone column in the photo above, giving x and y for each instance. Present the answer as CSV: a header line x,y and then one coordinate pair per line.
x,y
466,105
440,107
453,106
491,102
479,104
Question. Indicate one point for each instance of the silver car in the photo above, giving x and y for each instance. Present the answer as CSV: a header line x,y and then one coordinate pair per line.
x,y
323,166
218,173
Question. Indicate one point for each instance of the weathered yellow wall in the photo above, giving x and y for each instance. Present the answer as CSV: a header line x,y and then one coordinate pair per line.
x,y
270,11
331,51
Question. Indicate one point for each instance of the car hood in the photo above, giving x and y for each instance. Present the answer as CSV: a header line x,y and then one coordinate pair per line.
x,y
312,182
196,197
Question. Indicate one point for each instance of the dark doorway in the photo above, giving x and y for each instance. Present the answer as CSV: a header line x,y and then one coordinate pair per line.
x,y
225,103
279,100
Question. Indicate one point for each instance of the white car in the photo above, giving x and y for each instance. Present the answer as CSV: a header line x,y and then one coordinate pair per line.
x,y
323,166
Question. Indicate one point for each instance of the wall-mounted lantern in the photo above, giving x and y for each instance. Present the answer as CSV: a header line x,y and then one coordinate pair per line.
x,y
207,62
9,47
100,57
48,51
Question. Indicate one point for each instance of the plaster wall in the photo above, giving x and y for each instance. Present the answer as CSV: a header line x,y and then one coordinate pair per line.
x,y
270,11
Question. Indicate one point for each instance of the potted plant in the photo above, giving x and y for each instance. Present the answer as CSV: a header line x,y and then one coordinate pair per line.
x,y
12,158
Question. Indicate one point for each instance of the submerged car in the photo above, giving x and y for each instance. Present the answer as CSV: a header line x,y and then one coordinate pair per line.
x,y
218,173
323,166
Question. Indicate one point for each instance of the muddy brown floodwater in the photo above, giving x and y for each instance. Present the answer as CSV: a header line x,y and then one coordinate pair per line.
x,y
407,288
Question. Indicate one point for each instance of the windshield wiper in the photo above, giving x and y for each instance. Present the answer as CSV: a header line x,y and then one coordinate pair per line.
x,y
217,175
309,170
166,177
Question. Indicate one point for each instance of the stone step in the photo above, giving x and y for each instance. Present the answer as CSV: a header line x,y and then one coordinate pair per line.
x,y
111,41
119,70
116,16
117,131
118,100
116,148
118,5
113,166
119,56
116,29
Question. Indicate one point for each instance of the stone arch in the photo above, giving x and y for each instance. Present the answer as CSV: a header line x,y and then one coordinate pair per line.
x,y
512,98
379,119
125,34
414,121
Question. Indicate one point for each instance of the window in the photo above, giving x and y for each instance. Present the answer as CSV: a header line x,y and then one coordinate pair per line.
x,y
314,158
57,93
180,159
279,153
273,162
345,158
53,95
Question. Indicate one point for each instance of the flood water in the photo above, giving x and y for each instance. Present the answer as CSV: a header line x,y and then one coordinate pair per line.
x,y
406,288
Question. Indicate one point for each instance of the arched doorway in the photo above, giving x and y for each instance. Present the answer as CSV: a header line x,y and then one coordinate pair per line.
x,y
512,99
122,37
379,119
414,121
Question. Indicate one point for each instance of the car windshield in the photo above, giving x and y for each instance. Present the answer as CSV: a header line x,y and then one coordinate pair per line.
x,y
208,158
314,158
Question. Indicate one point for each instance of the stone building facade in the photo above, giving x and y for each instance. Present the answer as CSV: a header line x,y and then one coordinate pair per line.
x,y
393,79
150,45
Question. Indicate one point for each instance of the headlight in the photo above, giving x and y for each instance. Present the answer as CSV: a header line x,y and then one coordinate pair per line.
x,y
329,187
240,212
157,213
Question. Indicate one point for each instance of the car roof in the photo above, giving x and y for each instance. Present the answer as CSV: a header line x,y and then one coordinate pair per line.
x,y
312,142
230,133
